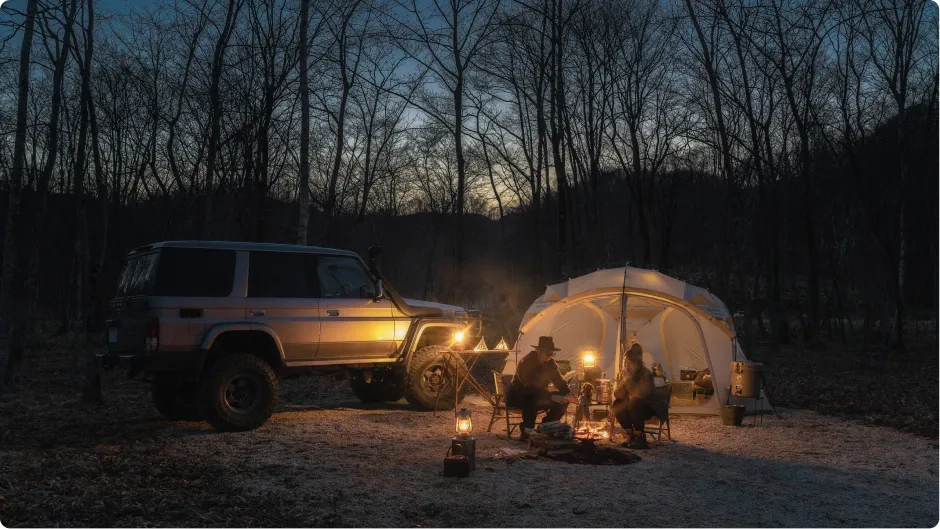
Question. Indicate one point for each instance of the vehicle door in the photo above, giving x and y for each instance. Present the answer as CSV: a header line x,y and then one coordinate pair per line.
x,y
353,322
282,294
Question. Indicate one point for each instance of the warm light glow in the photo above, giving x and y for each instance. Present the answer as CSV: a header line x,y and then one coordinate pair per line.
x,y
458,336
501,346
588,359
481,346
464,422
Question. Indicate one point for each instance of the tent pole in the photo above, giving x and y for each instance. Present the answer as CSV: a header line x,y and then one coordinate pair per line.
x,y
623,321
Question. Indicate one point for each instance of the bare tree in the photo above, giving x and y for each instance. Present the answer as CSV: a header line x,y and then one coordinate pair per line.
x,y
215,110
304,183
15,190
445,38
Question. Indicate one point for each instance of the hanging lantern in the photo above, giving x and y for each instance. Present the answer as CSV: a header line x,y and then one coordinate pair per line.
x,y
464,422
588,358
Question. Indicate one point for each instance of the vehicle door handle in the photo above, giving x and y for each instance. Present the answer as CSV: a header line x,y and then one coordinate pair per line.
x,y
332,313
257,312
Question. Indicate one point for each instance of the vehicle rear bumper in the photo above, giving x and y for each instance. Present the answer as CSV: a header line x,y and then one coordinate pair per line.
x,y
187,364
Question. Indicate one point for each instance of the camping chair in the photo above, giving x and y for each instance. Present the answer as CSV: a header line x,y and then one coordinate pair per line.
x,y
500,410
659,402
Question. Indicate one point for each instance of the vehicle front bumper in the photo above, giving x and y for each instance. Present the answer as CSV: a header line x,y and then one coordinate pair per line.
x,y
187,364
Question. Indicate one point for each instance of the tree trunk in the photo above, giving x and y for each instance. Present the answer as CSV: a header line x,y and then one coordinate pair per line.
x,y
215,115
304,184
91,389
13,209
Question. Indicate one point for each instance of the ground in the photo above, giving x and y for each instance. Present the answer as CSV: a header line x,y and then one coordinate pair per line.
x,y
326,460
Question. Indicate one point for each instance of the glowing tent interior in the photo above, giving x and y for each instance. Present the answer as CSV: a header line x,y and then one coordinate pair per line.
x,y
680,326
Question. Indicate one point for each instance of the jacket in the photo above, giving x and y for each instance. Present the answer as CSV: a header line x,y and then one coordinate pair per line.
x,y
532,374
639,386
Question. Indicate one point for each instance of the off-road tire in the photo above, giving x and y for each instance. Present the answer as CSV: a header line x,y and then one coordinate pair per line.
x,y
416,388
386,386
176,402
238,392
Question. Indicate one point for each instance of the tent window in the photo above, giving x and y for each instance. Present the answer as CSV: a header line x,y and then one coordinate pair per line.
x,y
701,301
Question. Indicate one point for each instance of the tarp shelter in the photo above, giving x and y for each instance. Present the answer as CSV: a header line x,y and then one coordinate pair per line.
x,y
680,326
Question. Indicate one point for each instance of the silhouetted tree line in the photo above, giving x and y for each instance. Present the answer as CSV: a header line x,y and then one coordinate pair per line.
x,y
781,153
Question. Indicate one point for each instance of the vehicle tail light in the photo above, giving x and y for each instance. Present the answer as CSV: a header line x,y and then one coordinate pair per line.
x,y
152,339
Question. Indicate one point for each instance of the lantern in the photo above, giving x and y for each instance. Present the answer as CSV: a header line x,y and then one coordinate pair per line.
x,y
464,422
588,359
501,346
463,445
481,346
590,371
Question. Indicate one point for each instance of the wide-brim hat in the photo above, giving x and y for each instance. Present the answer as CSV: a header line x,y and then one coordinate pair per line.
x,y
546,344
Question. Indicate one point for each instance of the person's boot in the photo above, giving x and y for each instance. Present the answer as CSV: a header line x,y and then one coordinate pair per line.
x,y
631,436
524,433
638,442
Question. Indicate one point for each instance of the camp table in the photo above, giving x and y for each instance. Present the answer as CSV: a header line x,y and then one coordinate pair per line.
x,y
461,371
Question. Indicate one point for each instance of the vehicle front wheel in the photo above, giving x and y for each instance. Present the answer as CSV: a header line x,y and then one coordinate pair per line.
x,y
238,392
430,380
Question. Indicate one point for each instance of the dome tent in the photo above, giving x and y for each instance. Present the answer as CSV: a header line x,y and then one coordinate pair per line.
x,y
680,326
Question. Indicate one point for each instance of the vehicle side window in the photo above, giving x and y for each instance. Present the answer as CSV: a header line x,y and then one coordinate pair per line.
x,y
195,272
343,277
282,275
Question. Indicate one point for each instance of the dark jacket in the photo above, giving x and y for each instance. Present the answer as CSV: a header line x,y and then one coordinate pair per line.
x,y
532,374
639,386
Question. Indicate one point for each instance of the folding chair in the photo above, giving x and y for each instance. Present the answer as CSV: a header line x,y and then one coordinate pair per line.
x,y
500,410
659,402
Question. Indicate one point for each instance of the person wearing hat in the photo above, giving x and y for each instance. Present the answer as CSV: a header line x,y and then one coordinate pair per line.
x,y
529,388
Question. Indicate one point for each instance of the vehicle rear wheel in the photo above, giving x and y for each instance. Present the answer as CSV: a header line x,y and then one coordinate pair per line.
x,y
429,381
385,386
175,401
238,392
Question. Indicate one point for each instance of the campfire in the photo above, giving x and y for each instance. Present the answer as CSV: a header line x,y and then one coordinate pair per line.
x,y
591,433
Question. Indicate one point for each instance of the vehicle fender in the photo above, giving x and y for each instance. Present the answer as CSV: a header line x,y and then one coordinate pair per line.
x,y
416,330
217,331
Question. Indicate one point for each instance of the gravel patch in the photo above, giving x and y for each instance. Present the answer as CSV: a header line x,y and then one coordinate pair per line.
x,y
324,459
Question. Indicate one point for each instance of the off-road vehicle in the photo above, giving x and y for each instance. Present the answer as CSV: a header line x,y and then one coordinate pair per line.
x,y
212,325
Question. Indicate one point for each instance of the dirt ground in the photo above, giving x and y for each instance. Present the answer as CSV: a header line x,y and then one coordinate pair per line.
x,y
326,460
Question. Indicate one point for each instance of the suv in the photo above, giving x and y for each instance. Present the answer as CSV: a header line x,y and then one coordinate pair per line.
x,y
213,325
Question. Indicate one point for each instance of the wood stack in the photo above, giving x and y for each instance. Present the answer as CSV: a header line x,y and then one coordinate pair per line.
x,y
553,438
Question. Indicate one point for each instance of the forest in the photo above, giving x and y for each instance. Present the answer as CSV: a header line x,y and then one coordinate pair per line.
x,y
781,153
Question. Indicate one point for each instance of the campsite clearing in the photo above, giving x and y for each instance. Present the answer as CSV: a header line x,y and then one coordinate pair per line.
x,y
326,459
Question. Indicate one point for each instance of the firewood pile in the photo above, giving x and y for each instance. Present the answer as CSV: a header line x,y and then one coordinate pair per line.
x,y
553,439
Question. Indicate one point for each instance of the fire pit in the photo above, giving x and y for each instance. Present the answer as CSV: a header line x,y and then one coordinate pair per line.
x,y
588,453
560,442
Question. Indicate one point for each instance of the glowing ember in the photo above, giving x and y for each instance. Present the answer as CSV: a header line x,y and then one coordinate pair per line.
x,y
593,433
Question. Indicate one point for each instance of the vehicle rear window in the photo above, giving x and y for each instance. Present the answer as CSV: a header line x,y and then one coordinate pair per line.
x,y
282,275
197,272
137,275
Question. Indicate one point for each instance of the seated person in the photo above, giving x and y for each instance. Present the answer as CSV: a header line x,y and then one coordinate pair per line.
x,y
630,406
529,388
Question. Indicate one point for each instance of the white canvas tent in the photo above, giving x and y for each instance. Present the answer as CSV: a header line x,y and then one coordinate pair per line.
x,y
681,326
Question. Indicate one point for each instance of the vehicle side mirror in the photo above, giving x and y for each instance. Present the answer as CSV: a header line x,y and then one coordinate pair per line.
x,y
379,291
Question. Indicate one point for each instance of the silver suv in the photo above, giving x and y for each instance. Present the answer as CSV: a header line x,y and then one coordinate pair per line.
x,y
213,324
